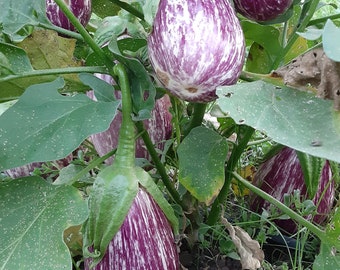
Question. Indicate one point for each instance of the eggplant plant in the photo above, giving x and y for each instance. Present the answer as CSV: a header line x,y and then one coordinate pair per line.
x,y
193,79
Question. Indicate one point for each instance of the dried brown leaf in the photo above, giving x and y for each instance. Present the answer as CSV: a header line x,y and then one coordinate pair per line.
x,y
249,250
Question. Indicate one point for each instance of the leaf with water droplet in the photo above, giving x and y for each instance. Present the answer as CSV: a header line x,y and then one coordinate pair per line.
x,y
290,117
34,215
44,125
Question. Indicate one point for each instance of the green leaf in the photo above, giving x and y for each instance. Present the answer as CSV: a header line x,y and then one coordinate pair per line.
x,y
102,89
17,60
331,41
148,183
312,168
290,117
17,16
34,215
265,35
104,8
333,231
201,156
258,60
327,259
44,125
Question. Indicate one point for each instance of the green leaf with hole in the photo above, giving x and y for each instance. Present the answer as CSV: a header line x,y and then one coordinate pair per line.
x,y
201,156
34,215
44,125
290,117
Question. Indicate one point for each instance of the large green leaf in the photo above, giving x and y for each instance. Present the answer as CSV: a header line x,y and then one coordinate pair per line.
x,y
290,117
201,156
44,125
33,216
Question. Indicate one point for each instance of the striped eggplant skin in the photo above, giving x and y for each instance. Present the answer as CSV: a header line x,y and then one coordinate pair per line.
x,y
82,9
262,10
145,240
159,127
282,174
195,46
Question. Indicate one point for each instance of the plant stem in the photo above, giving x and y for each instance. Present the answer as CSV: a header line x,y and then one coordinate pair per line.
x,y
269,78
86,36
92,165
312,5
62,31
310,226
197,117
125,156
323,19
242,142
159,165
56,71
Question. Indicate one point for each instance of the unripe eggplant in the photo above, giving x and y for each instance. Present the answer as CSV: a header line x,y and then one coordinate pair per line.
x,y
282,174
262,10
144,241
195,46
82,9
159,127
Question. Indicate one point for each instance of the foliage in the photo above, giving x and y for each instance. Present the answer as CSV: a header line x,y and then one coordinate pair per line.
x,y
44,72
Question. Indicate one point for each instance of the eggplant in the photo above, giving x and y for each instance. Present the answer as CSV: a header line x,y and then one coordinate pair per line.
x,y
82,9
281,175
159,127
262,10
195,46
144,241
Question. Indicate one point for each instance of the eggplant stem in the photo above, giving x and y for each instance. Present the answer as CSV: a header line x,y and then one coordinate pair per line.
x,y
304,222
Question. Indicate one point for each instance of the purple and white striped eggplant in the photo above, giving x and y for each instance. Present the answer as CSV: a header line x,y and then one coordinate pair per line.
x,y
82,9
145,240
262,10
159,127
282,174
195,46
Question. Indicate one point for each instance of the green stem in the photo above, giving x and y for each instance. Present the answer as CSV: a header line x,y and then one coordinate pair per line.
x,y
62,31
312,5
197,117
159,165
56,71
314,229
92,165
269,78
125,156
86,36
129,9
242,142
323,19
